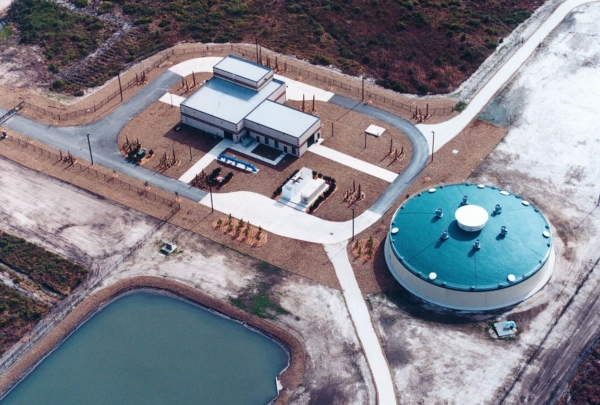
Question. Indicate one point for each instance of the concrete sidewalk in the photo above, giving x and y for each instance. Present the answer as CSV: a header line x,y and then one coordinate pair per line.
x,y
362,323
352,162
172,99
445,131
286,221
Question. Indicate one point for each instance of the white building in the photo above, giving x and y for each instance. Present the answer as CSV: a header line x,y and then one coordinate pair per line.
x,y
243,100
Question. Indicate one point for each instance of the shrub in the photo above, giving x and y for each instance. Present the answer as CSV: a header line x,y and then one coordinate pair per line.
x,y
78,93
420,20
106,6
58,84
460,106
81,3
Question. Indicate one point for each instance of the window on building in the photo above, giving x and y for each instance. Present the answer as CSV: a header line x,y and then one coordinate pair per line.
x,y
293,150
257,138
276,144
266,140
285,149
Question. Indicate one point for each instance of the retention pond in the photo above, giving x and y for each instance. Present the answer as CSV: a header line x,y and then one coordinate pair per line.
x,y
146,348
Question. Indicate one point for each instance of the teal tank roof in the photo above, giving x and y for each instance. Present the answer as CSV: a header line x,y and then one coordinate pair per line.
x,y
500,260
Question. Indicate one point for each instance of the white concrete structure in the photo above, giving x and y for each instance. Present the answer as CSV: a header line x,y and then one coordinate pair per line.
x,y
302,190
493,253
359,313
375,131
243,102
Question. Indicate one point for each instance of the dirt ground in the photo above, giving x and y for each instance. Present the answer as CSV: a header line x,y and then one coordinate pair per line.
x,y
65,219
155,129
349,136
473,144
283,252
318,316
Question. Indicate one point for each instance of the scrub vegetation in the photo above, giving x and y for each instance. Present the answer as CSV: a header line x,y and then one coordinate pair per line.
x,y
584,388
18,314
417,46
43,267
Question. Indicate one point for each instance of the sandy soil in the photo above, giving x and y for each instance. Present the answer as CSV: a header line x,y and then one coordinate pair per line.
x,y
74,215
548,155
318,316
283,252
64,218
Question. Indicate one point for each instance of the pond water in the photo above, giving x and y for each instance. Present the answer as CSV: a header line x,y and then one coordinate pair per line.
x,y
152,349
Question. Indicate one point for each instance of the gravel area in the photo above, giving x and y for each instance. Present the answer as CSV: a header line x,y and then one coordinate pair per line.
x,y
286,253
155,129
349,136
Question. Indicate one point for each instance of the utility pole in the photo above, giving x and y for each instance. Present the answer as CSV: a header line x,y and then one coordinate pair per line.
x,y
212,209
256,49
362,77
90,146
365,140
332,129
352,223
432,146
120,88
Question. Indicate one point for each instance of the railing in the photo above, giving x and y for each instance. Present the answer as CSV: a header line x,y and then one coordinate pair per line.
x,y
89,171
12,112
372,92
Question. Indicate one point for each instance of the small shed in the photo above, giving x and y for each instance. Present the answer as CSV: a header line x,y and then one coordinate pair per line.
x,y
375,131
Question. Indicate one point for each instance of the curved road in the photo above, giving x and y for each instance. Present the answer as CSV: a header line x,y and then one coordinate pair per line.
x,y
260,210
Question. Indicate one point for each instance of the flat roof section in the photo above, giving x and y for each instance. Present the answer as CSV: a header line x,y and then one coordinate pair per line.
x,y
282,118
228,101
243,68
499,262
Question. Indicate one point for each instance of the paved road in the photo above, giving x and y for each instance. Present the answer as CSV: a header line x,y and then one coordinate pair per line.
x,y
272,217
104,134
416,138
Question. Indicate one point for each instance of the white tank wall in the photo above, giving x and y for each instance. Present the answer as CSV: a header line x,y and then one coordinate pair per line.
x,y
468,300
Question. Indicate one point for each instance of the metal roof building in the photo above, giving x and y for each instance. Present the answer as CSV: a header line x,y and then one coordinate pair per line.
x,y
243,102
470,247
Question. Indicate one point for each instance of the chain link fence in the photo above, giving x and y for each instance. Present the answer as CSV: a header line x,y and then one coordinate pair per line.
x,y
182,52
99,269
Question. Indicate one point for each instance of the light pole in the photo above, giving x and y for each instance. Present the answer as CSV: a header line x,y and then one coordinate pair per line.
x,y
90,146
212,209
352,223
432,145
120,88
